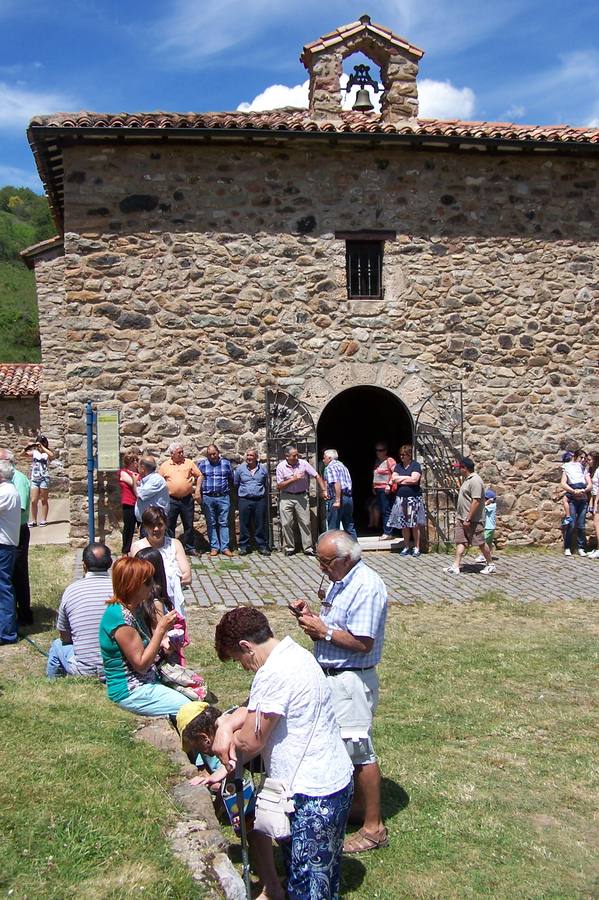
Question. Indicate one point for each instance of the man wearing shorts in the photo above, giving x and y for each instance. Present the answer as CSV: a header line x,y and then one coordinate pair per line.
x,y
348,640
469,528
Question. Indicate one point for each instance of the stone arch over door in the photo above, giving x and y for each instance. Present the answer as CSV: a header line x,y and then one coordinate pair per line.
x,y
352,422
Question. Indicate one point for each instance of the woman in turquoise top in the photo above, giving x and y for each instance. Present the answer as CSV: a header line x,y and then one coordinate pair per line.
x,y
129,659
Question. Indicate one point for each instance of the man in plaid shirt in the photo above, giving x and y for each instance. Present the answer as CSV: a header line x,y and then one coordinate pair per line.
x,y
348,640
214,486
340,505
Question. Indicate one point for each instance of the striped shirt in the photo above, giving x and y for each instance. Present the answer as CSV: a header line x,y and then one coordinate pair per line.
x,y
336,472
217,477
357,603
80,612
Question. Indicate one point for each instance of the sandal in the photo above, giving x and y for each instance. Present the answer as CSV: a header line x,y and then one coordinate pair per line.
x,y
361,841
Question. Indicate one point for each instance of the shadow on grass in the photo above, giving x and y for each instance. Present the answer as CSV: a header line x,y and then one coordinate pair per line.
x,y
352,870
44,619
393,798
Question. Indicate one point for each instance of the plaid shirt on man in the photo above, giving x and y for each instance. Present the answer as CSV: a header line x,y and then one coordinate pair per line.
x,y
337,472
217,477
358,604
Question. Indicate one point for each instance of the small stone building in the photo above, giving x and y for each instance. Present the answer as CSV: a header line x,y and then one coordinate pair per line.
x,y
335,278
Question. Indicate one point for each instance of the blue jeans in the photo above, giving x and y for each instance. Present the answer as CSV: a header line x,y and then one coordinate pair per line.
x,y
216,511
8,604
342,516
59,658
578,512
313,854
385,501
154,700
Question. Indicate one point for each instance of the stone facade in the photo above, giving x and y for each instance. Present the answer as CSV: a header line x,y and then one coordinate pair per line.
x,y
49,277
194,281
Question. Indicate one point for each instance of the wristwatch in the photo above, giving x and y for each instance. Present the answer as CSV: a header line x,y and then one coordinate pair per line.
x,y
329,635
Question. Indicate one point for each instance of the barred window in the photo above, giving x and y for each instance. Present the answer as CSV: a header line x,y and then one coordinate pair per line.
x,y
364,261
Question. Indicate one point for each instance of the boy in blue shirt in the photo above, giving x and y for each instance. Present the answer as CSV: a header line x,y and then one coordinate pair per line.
x,y
490,521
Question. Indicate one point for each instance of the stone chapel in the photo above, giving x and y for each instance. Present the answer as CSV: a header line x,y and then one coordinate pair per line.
x,y
329,278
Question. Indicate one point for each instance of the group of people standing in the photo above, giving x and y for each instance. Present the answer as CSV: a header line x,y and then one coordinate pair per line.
x,y
579,494
179,482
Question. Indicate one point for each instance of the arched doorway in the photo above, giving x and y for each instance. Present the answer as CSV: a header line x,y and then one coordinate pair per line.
x,y
352,422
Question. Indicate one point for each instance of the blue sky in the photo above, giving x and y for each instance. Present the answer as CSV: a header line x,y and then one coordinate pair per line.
x,y
515,60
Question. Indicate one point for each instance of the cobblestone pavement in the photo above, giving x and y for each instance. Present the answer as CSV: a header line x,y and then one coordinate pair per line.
x,y
266,581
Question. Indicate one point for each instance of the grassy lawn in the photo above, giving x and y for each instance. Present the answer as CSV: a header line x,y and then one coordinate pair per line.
x,y
486,731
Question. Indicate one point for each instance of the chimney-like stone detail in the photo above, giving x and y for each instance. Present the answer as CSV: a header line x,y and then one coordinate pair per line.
x,y
397,59
324,97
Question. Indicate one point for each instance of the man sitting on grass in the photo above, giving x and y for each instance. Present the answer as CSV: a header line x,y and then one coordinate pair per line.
x,y
77,650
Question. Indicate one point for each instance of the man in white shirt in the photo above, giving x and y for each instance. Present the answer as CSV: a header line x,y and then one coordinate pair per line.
x,y
10,526
348,637
152,489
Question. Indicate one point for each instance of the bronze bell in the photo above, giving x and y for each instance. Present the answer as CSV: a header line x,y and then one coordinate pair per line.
x,y
363,102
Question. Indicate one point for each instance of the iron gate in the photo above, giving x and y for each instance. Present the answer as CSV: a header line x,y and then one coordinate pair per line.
x,y
288,421
438,441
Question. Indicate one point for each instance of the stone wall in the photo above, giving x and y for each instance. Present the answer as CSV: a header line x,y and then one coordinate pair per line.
x,y
196,277
49,277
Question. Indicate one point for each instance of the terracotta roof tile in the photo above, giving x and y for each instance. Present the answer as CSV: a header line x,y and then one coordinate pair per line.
x,y
341,34
20,379
291,119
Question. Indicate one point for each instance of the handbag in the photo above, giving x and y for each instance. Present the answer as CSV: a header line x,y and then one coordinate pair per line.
x,y
274,802
185,681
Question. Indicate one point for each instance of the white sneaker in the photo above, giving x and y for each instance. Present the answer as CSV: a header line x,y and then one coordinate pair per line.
x,y
488,569
480,558
594,554
580,552
452,570
567,553
415,552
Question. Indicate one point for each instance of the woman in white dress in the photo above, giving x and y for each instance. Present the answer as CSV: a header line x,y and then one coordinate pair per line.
x,y
176,564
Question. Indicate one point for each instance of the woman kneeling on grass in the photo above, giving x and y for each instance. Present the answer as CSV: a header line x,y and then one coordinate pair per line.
x,y
129,659
291,722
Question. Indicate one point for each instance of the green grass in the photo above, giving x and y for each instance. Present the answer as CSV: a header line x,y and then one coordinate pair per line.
x,y
486,732
19,332
84,807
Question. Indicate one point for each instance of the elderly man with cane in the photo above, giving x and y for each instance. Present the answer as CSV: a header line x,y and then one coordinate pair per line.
x,y
348,637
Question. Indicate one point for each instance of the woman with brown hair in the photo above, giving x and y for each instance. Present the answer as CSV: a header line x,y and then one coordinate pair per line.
x,y
291,722
408,510
128,478
176,562
129,656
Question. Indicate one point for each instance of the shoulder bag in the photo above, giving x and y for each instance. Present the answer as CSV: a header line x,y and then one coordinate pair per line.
x,y
274,802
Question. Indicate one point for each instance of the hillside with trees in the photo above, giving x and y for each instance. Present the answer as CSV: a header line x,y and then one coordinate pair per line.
x,y
24,220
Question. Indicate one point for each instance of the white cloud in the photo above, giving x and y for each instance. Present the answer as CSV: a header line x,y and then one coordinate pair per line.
x,y
594,123
441,100
20,178
193,32
565,92
276,96
514,112
438,99
18,105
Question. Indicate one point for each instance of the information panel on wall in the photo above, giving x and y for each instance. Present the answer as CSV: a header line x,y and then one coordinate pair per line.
x,y
107,433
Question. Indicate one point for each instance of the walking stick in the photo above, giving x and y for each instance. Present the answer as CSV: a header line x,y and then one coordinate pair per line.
x,y
245,855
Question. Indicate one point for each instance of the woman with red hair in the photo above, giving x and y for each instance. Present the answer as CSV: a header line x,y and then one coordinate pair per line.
x,y
128,653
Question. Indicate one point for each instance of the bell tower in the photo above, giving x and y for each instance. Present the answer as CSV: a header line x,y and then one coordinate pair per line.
x,y
397,58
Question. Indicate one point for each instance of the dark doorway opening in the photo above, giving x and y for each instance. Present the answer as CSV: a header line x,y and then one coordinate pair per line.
x,y
352,423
